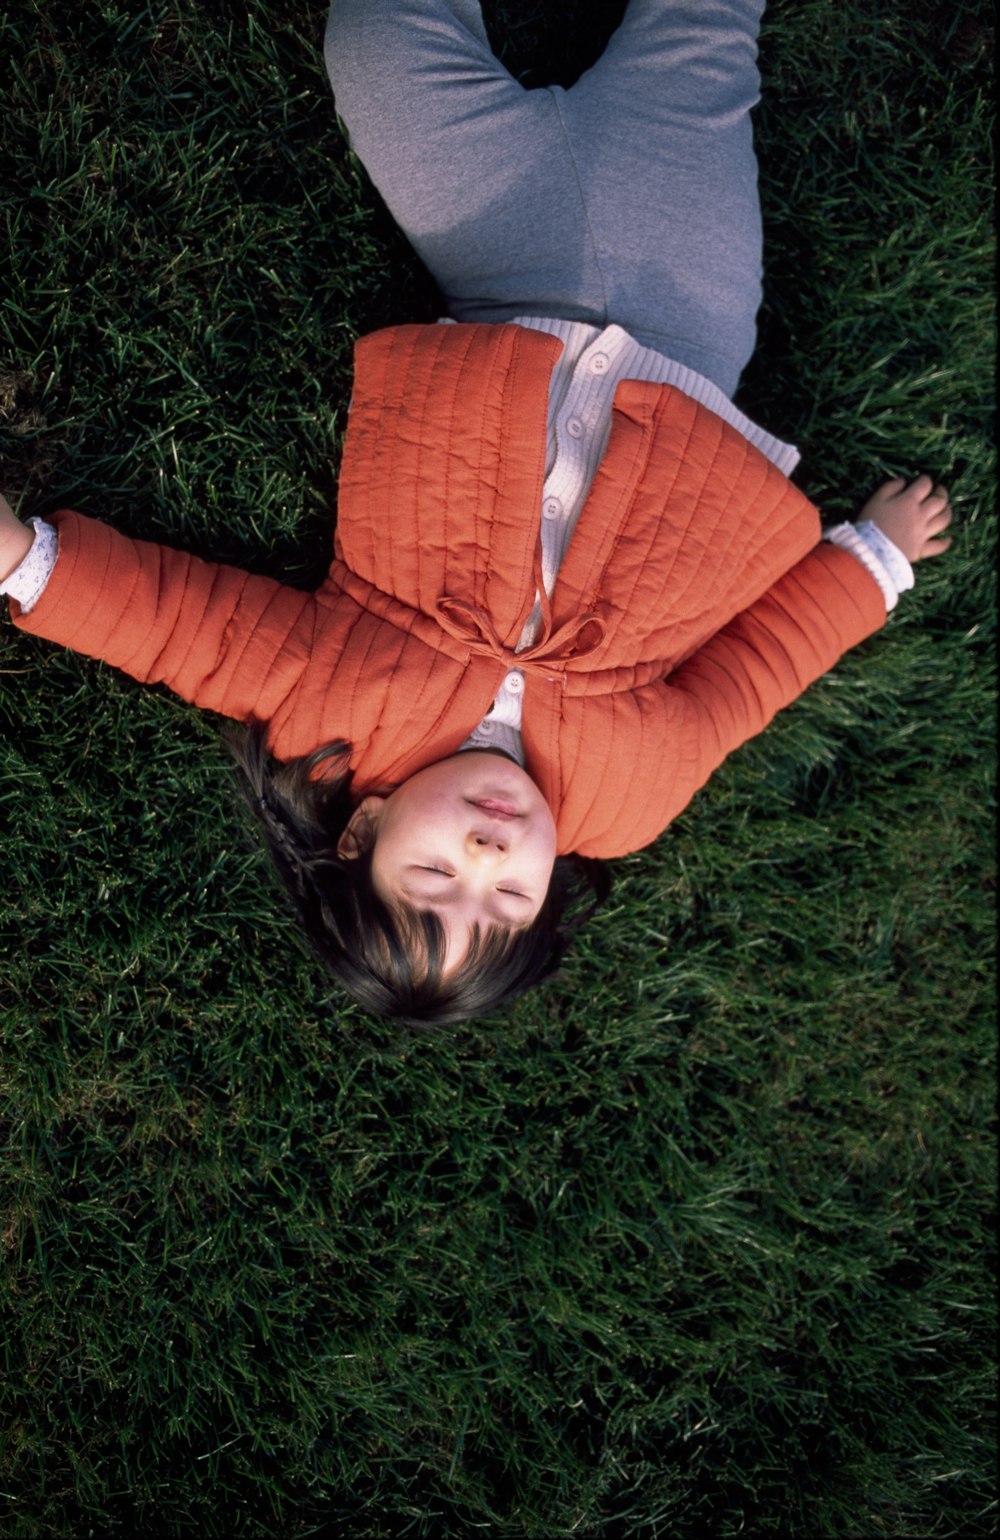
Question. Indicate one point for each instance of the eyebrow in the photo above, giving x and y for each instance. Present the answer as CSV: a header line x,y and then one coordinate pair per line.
x,y
444,893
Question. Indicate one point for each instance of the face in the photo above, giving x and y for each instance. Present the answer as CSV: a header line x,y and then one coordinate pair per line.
x,y
471,838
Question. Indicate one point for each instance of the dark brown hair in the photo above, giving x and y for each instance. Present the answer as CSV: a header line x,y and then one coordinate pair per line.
x,y
389,959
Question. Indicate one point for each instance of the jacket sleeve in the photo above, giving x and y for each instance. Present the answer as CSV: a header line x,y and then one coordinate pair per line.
x,y
219,637
659,743
733,686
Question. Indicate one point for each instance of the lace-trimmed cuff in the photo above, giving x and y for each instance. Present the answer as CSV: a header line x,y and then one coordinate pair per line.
x,y
876,552
27,581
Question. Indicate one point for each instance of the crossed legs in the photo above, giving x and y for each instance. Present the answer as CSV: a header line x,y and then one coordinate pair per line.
x,y
629,198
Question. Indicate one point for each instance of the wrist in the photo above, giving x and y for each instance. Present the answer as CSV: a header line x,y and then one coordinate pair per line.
x,y
16,540
894,533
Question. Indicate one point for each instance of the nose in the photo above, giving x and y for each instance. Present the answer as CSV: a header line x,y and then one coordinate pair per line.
x,y
489,848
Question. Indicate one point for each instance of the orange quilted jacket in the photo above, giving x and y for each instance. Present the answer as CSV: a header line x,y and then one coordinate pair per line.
x,y
695,599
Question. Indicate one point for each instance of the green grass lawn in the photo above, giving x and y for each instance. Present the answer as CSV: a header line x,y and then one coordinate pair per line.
x,y
697,1240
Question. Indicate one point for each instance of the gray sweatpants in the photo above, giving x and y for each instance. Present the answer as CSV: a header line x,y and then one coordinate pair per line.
x,y
629,198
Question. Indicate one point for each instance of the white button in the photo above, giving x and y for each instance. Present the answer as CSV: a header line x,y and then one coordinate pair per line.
x,y
599,363
487,728
552,508
515,681
574,427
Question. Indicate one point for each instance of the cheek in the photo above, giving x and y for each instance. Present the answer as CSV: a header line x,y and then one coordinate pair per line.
x,y
414,829
390,854
543,859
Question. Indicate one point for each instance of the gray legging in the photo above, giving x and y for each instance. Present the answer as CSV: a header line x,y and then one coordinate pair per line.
x,y
629,198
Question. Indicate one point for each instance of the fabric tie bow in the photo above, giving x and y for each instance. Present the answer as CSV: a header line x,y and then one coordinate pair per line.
x,y
474,627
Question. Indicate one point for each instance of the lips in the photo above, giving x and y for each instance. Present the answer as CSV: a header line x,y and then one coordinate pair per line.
x,y
496,807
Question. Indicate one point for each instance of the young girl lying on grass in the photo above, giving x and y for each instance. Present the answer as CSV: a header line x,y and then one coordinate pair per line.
x,y
569,576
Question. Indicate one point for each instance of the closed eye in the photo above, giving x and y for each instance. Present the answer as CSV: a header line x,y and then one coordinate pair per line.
x,y
442,871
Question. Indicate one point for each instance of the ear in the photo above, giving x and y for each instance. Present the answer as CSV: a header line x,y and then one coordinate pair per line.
x,y
360,828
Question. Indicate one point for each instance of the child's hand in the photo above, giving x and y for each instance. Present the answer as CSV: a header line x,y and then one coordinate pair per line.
x,y
914,517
